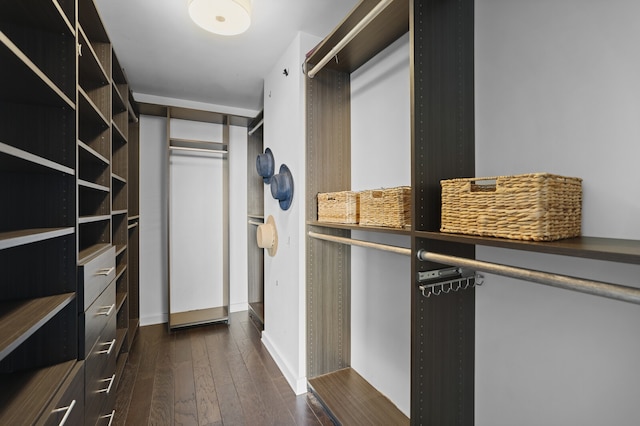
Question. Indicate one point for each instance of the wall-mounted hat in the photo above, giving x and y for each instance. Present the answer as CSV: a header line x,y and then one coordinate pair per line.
x,y
267,236
265,165
282,187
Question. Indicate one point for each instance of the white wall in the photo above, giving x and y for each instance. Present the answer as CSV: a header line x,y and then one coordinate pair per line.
x,y
153,222
380,281
284,334
557,90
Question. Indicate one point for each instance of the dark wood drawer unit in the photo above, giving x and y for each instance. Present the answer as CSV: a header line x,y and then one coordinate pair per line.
x,y
67,407
94,274
96,317
100,379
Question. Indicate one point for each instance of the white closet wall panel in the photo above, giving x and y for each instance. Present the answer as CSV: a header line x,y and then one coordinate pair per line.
x,y
196,230
380,281
153,223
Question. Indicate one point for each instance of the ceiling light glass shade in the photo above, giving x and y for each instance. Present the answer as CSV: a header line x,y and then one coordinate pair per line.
x,y
225,17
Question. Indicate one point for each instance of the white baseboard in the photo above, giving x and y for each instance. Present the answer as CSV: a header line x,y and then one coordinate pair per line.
x,y
154,319
239,307
298,384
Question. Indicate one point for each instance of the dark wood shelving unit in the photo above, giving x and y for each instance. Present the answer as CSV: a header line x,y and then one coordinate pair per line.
x,y
329,170
255,214
442,146
64,127
38,237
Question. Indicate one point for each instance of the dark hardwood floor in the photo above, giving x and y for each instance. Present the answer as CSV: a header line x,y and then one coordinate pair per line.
x,y
210,375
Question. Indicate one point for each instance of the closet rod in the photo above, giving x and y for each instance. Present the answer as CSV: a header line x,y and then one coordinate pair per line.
x,y
212,151
253,222
350,35
596,288
256,127
351,241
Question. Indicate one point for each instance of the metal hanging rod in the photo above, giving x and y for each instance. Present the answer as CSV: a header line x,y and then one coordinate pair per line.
x,y
350,35
254,222
353,242
256,127
596,288
210,151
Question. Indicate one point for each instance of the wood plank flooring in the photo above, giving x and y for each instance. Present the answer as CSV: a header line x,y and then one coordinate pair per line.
x,y
209,375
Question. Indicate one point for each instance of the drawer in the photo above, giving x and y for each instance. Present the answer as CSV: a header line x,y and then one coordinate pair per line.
x,y
96,317
107,415
100,370
67,406
94,275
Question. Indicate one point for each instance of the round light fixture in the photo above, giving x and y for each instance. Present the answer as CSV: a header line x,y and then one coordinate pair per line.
x,y
224,17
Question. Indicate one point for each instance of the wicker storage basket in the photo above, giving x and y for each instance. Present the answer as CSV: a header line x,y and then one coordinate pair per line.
x,y
537,207
338,207
389,207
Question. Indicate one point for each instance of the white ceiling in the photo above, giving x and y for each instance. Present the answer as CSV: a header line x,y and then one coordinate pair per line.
x,y
165,54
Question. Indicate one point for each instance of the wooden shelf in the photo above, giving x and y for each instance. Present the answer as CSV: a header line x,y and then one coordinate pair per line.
x,y
120,248
33,86
15,159
47,15
89,66
120,269
92,219
198,317
94,155
609,249
353,401
90,252
355,227
119,178
120,365
90,111
386,28
29,236
27,393
120,298
20,319
94,186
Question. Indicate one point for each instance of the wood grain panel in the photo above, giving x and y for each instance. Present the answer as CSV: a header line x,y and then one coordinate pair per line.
x,y
328,264
386,28
353,401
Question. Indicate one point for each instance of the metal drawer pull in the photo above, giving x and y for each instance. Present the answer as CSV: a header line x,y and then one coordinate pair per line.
x,y
67,414
108,388
109,310
105,271
108,351
111,416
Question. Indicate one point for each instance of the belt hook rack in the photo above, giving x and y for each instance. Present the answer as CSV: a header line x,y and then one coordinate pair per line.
x,y
456,279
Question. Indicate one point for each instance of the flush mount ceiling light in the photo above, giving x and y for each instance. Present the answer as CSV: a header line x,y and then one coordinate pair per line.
x,y
224,17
